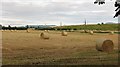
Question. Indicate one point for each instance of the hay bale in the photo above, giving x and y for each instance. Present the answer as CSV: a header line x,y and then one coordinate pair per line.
x,y
86,31
44,35
104,45
5,30
15,30
91,32
11,30
27,31
82,31
64,33
30,30
45,30
48,30
111,32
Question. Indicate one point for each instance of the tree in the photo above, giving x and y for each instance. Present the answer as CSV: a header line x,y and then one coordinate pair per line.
x,y
0,26
102,23
9,27
98,24
117,4
27,26
15,28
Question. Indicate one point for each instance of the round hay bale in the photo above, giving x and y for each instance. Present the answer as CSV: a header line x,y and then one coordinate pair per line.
x,y
27,31
5,30
45,30
104,45
11,30
91,32
15,30
64,33
86,31
111,32
82,31
44,36
30,30
48,30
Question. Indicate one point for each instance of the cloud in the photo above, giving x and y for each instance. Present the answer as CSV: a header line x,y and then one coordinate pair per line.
x,y
55,11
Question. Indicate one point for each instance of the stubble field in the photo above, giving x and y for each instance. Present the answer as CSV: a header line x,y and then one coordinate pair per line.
x,y
22,48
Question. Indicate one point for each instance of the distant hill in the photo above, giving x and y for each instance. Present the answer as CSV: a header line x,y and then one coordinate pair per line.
x,y
110,23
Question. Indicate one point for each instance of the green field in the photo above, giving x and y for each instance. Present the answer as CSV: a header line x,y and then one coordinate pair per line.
x,y
92,27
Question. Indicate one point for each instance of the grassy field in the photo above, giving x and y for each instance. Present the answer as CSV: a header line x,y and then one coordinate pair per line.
x,y
75,49
93,27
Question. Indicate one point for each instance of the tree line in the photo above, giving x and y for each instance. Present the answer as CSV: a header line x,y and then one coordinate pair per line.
x,y
23,28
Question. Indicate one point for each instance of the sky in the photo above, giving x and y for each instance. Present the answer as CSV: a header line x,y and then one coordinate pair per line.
x,y
53,12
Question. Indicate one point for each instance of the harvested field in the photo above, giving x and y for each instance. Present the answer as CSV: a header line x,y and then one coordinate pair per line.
x,y
77,48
